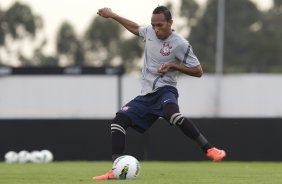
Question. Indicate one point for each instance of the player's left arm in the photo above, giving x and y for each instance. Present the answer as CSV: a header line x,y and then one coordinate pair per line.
x,y
189,64
196,71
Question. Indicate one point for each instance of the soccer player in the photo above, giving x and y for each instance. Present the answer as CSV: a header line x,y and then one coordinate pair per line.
x,y
165,55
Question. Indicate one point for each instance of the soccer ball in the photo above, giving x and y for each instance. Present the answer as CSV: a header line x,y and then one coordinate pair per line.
x,y
126,167
36,157
47,156
23,156
11,157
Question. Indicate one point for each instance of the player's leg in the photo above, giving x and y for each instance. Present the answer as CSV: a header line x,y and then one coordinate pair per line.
x,y
119,126
174,117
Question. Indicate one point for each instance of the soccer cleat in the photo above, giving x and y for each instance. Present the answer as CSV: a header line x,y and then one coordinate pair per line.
x,y
216,154
108,176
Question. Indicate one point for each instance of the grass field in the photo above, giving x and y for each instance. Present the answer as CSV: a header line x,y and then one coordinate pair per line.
x,y
151,173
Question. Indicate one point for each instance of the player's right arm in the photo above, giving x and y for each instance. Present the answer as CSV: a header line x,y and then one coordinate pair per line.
x,y
128,24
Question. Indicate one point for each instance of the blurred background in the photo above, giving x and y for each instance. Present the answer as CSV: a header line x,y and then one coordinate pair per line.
x,y
64,71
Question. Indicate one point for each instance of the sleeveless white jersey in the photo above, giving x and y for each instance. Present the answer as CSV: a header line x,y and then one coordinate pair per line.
x,y
174,49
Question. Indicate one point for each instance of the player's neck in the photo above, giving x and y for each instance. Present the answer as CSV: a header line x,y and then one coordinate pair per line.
x,y
168,35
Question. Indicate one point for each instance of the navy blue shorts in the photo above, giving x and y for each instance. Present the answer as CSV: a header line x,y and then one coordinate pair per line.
x,y
145,110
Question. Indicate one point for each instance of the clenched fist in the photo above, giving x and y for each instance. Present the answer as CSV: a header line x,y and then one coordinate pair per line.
x,y
105,12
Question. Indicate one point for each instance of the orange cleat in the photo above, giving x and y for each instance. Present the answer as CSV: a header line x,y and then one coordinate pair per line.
x,y
216,154
108,176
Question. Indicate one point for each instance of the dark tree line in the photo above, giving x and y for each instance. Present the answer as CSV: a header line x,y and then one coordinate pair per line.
x,y
252,38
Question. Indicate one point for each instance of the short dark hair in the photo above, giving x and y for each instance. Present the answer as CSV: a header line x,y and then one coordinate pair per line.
x,y
164,10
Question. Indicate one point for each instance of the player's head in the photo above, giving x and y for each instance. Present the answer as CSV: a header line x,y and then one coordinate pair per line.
x,y
161,21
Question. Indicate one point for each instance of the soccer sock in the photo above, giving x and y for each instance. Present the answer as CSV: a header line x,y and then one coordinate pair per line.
x,y
202,141
119,126
190,130
187,126
118,144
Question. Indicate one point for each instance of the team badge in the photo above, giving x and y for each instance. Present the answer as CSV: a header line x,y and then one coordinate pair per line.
x,y
165,50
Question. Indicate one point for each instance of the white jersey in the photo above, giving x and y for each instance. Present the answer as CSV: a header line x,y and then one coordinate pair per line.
x,y
174,49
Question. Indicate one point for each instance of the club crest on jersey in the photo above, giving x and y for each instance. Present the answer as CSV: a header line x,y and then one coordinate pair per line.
x,y
165,50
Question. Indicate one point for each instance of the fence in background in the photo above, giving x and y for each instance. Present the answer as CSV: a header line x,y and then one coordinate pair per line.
x,y
247,139
89,93
68,111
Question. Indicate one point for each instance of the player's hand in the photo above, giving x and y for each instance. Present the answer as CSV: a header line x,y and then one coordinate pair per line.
x,y
105,12
164,68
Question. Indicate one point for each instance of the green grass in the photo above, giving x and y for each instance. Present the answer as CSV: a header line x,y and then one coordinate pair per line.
x,y
151,173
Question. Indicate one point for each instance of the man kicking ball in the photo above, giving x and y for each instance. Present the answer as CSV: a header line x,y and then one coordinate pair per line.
x,y
166,54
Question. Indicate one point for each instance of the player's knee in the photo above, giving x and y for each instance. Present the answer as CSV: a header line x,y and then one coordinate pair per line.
x,y
120,124
176,119
172,114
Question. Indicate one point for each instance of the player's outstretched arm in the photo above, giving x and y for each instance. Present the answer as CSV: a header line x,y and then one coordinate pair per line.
x,y
128,24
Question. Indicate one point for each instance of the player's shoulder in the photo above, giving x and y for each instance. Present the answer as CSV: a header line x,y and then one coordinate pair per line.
x,y
146,31
178,39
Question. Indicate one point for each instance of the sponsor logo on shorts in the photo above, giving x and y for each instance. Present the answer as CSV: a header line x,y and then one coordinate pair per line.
x,y
166,100
124,108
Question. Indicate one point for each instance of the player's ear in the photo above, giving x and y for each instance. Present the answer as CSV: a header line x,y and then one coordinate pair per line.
x,y
170,22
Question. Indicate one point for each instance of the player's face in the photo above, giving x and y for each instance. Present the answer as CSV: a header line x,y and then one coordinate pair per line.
x,y
161,26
